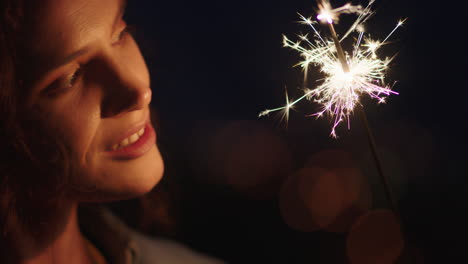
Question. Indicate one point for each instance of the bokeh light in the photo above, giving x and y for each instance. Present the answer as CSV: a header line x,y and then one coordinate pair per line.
x,y
375,238
293,209
356,199
322,194
315,199
354,189
251,158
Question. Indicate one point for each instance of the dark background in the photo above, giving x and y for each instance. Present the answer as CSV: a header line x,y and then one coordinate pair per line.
x,y
216,64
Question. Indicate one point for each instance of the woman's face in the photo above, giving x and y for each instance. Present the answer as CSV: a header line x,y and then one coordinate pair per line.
x,y
92,83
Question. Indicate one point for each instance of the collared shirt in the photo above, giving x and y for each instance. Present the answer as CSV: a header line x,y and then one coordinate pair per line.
x,y
120,244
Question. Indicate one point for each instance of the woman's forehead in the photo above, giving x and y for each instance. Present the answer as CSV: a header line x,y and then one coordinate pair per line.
x,y
69,23
61,27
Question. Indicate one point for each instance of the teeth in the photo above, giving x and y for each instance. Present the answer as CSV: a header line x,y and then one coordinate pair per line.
x,y
124,143
130,140
133,138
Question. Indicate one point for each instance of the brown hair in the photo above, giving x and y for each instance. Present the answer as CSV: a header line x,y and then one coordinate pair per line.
x,y
33,166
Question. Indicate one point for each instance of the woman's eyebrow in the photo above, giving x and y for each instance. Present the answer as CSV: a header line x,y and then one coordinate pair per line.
x,y
70,58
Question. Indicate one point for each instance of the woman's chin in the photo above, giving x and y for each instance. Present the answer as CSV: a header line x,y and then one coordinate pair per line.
x,y
146,174
120,180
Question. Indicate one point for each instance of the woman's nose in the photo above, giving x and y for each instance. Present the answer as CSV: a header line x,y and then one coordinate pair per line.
x,y
126,89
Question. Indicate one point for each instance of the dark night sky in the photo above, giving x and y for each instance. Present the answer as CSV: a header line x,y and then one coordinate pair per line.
x,y
215,62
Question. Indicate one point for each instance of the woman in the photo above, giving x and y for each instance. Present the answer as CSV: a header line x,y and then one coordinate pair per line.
x,y
75,127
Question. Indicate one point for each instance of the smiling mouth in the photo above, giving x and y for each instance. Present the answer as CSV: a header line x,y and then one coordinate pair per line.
x,y
135,145
129,140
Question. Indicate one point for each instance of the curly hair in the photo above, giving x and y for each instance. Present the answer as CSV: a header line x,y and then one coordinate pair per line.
x,y
33,165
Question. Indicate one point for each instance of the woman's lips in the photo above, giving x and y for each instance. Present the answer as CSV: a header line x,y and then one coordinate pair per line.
x,y
139,147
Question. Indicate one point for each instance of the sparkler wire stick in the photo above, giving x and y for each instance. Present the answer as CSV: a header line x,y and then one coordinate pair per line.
x,y
378,163
347,77
370,136
339,48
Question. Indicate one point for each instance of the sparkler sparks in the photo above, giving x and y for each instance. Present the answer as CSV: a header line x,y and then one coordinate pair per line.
x,y
346,76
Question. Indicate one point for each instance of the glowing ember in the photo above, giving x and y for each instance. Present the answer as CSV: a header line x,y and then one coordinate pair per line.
x,y
346,76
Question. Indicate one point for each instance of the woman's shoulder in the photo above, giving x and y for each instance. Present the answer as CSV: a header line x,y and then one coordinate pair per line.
x,y
122,244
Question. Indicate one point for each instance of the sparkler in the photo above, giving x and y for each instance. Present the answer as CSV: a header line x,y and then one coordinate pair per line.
x,y
348,76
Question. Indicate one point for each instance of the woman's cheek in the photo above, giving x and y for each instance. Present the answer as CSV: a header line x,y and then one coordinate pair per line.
x,y
78,120
83,127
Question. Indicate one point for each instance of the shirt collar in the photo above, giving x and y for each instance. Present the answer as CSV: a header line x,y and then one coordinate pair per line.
x,y
109,234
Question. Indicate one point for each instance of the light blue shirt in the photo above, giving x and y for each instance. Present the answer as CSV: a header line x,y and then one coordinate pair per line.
x,y
122,245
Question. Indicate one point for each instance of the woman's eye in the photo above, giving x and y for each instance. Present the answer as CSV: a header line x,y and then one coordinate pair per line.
x,y
73,78
63,84
121,35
